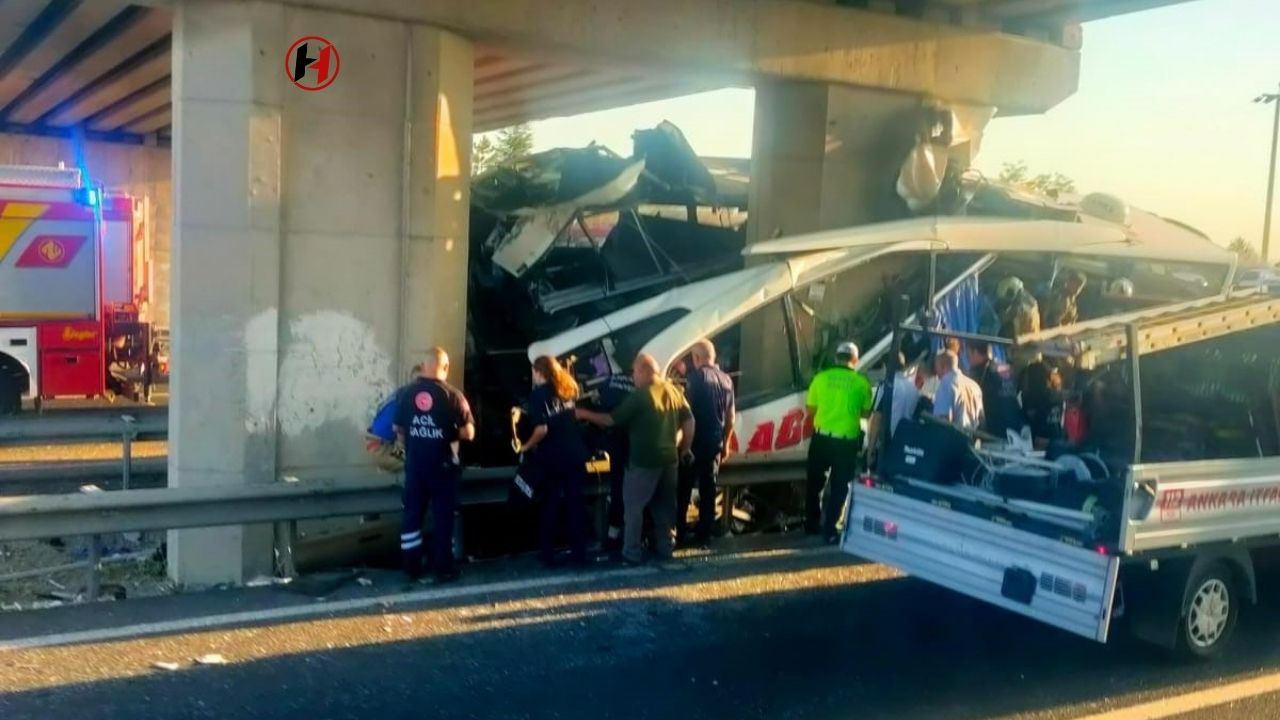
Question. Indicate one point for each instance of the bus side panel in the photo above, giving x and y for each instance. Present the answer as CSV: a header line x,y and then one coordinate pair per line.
x,y
1067,587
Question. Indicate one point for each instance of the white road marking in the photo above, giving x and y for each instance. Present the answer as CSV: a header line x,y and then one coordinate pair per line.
x,y
292,612
1199,700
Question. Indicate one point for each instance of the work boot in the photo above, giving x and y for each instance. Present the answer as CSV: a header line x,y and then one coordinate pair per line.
x,y
411,563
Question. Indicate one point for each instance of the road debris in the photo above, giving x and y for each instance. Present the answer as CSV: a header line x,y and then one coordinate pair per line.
x,y
211,659
163,665
364,582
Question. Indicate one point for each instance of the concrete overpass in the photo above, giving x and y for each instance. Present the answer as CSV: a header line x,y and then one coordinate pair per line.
x,y
106,65
320,238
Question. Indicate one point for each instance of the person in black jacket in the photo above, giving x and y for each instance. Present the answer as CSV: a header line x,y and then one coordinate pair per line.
x,y
1001,411
616,443
711,398
556,446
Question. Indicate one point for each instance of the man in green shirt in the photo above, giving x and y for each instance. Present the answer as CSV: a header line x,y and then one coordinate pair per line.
x,y
660,428
839,397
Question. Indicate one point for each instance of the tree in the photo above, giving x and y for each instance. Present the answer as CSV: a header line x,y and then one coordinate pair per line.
x,y
512,145
481,155
1245,250
1051,184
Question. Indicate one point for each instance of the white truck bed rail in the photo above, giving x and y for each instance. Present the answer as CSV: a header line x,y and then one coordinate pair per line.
x,y
1101,341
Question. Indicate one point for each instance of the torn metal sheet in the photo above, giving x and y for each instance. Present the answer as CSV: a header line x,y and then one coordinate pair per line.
x,y
537,228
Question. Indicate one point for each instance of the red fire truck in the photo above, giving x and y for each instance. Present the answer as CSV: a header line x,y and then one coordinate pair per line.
x,y
75,272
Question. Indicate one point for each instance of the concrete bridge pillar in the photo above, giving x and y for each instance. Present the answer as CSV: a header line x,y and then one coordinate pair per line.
x,y
824,156
319,247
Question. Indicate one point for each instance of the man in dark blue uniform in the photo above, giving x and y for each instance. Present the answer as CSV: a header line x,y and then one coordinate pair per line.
x,y
431,417
711,398
611,395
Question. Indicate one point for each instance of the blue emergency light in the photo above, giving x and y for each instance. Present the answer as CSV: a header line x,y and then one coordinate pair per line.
x,y
88,197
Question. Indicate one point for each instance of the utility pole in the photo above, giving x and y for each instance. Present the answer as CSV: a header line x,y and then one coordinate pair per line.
x,y
1273,99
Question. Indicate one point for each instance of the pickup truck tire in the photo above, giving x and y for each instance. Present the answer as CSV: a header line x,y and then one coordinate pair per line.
x,y
1210,610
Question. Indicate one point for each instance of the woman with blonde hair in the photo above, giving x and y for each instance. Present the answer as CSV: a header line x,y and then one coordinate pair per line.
x,y
557,449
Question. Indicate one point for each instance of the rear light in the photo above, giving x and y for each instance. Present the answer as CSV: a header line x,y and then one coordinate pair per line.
x,y
884,528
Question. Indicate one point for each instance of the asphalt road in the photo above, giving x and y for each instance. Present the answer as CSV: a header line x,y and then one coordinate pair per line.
x,y
781,632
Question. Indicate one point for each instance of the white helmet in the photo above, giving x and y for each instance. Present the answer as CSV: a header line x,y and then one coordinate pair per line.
x,y
1118,288
1009,288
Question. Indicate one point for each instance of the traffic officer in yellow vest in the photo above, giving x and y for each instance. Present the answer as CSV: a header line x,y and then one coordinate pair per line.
x,y
839,397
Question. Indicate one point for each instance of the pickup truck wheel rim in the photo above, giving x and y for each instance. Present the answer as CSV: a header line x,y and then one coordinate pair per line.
x,y
1210,610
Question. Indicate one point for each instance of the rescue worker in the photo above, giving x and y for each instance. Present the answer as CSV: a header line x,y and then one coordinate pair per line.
x,y
556,445
618,387
380,437
1001,412
1062,305
906,398
431,417
1018,310
1043,403
959,399
711,398
838,398
661,430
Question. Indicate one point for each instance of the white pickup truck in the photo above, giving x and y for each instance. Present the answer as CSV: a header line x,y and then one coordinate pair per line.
x,y
1171,535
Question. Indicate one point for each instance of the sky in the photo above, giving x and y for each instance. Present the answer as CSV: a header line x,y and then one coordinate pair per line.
x,y
1163,118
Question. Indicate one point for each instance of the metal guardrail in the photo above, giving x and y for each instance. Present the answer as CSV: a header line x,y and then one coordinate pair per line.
x,y
60,426
79,471
51,478
46,516
131,510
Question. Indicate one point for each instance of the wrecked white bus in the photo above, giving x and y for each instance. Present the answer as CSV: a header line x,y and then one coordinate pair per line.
x,y
775,321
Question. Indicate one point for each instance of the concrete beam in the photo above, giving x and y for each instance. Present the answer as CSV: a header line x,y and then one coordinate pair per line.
x,y
610,92
746,40
1073,11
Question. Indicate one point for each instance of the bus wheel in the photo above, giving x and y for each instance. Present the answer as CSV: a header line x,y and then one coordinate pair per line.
x,y
1210,611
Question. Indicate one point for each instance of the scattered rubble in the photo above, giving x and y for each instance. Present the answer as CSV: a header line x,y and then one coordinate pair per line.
x,y
129,569
264,581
